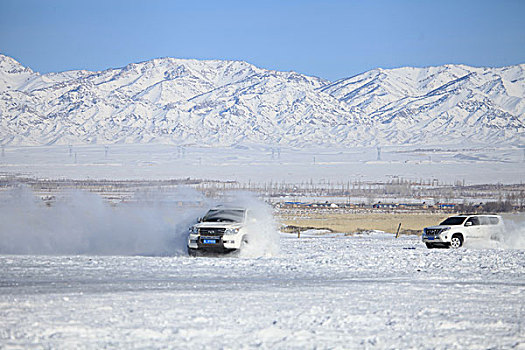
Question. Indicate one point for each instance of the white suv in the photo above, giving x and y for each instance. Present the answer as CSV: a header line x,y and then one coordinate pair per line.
x,y
221,230
456,230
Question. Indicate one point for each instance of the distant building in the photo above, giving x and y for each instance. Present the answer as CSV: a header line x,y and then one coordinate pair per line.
x,y
380,205
446,206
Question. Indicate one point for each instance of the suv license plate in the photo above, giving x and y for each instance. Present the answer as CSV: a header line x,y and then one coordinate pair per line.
x,y
209,241
430,238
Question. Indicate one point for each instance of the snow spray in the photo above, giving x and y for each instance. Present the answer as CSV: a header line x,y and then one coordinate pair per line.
x,y
152,223
80,222
514,236
263,233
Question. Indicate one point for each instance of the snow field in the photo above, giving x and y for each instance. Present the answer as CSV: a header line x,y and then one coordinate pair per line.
x,y
371,291
476,164
118,277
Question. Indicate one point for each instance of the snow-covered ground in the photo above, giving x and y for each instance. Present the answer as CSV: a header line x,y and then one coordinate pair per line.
x,y
470,164
369,291
134,287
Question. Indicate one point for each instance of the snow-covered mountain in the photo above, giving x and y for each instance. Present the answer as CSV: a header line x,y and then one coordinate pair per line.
x,y
230,102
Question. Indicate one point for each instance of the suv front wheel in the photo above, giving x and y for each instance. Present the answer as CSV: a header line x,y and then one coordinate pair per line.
x,y
456,241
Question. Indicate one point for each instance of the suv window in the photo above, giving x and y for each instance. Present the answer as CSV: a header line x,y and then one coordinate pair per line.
x,y
474,220
484,220
454,220
493,220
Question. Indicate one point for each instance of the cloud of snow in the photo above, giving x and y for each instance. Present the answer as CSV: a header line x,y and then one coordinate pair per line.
x,y
514,237
153,223
263,234
80,222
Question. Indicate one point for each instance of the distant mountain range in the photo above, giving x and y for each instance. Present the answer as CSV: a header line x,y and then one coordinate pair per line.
x,y
224,103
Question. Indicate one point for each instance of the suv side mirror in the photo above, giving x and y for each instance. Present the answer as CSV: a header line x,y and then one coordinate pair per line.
x,y
199,219
468,223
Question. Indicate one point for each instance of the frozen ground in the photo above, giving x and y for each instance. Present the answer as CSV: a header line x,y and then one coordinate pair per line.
x,y
326,291
318,292
472,164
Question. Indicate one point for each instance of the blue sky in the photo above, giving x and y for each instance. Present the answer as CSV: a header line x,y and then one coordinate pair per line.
x,y
330,39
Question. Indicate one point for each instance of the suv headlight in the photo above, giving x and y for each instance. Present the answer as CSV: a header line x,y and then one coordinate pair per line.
x,y
194,230
445,229
231,231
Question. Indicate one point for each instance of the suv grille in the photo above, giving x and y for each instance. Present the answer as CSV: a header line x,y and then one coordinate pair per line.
x,y
211,231
433,231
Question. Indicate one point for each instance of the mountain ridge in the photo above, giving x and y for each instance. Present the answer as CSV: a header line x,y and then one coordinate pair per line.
x,y
214,102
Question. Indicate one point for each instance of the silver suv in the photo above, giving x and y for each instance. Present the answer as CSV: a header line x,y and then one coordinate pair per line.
x,y
456,230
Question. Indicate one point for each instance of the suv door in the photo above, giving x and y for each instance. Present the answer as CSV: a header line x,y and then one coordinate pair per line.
x,y
472,228
485,228
497,230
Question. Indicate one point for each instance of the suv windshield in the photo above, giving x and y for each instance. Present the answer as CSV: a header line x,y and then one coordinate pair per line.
x,y
454,220
224,215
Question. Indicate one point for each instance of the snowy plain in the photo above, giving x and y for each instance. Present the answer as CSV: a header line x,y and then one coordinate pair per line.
x,y
472,164
366,291
84,274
